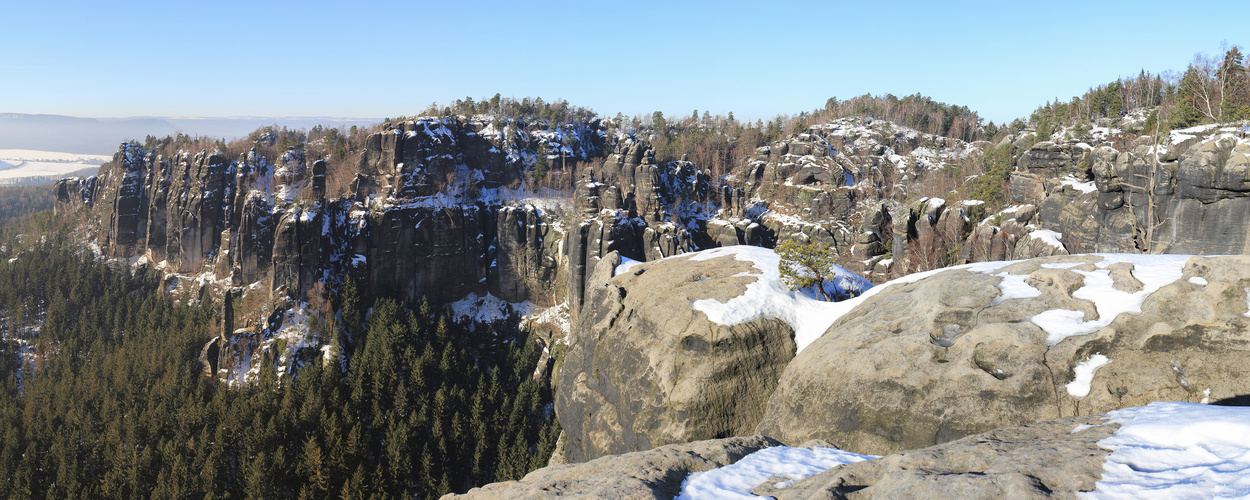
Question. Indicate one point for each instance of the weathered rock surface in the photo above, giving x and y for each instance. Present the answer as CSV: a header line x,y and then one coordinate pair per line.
x,y
644,369
1041,460
1052,459
1185,197
943,357
529,263
656,473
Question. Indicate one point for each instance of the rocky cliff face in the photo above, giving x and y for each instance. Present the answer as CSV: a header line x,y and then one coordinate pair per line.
x,y
429,187
1187,196
428,206
422,222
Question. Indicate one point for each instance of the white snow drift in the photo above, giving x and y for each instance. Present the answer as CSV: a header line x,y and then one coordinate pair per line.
x,y
769,297
1177,450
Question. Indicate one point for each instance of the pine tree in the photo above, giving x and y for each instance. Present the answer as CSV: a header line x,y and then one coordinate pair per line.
x,y
1236,92
1186,113
805,265
312,466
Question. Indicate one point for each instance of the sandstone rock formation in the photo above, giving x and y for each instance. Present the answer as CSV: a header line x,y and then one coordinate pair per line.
x,y
1186,196
1052,459
1040,460
248,218
1167,450
644,369
656,473
931,359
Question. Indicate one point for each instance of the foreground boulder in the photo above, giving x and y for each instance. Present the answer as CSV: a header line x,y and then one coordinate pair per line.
x,y
1041,460
927,360
645,369
656,473
1161,450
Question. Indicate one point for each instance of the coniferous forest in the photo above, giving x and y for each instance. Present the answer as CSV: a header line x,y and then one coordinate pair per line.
x,y
110,401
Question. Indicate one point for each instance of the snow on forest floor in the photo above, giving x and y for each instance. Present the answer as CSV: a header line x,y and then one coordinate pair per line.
x,y
556,317
488,308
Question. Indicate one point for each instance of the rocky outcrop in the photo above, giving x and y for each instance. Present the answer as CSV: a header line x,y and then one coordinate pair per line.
x,y
416,227
1052,459
817,183
120,191
989,242
916,364
644,369
1166,450
209,356
875,232
656,473
934,234
1187,196
73,193
528,263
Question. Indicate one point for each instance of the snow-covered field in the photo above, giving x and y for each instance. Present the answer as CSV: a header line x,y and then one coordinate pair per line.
x,y
19,164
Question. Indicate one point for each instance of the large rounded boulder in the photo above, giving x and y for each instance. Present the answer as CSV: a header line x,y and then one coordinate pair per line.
x,y
678,350
934,357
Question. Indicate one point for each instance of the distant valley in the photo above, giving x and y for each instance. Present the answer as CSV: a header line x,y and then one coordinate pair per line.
x,y
25,167
102,135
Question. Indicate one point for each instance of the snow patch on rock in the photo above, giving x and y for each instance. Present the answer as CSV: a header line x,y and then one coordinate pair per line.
x,y
1014,286
1084,187
1154,271
1085,371
769,297
625,265
1048,237
736,481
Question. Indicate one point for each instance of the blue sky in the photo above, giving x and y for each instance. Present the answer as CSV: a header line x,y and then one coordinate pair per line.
x,y
375,59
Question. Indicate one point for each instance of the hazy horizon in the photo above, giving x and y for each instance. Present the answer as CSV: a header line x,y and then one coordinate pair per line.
x,y
91,135
327,59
